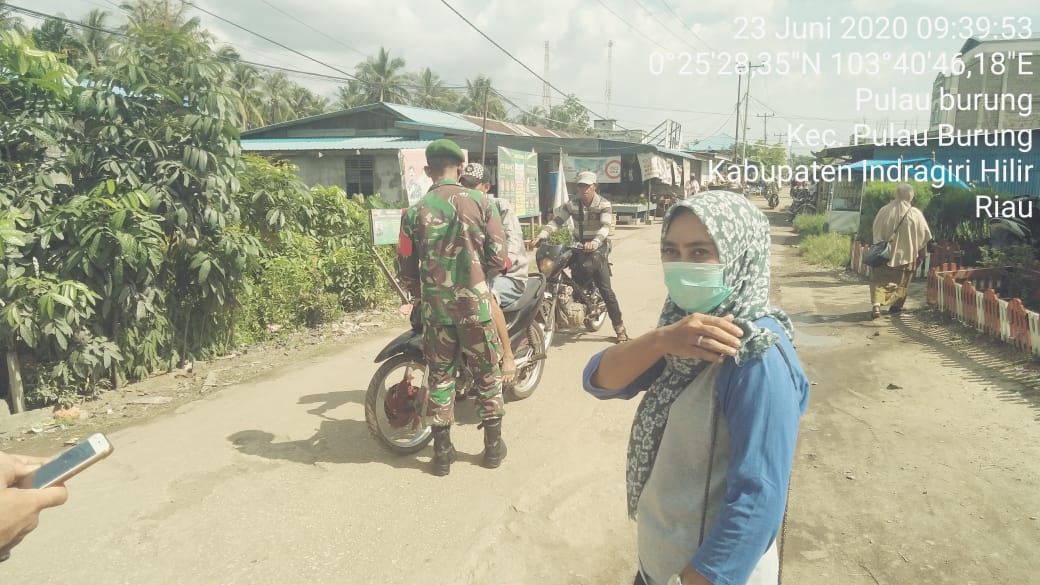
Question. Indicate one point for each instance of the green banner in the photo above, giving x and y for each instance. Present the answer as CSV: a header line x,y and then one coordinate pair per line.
x,y
386,226
518,180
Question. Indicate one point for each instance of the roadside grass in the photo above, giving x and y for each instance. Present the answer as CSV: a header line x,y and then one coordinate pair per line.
x,y
810,224
830,249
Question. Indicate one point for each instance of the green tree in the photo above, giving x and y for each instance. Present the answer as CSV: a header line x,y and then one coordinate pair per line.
x,y
93,40
768,154
382,79
480,93
157,119
42,310
570,116
429,91
56,36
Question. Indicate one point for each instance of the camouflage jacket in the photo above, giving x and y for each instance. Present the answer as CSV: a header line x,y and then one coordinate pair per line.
x,y
458,244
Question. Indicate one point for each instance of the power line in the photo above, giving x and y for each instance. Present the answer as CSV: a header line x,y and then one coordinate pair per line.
x,y
686,27
510,55
328,36
632,26
272,41
663,25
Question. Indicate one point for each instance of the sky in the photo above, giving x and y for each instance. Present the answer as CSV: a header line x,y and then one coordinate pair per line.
x,y
671,60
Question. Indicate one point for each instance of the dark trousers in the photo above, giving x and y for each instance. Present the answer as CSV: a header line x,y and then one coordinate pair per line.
x,y
601,278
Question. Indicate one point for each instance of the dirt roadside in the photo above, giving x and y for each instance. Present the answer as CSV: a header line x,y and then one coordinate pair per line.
x,y
40,432
919,457
918,463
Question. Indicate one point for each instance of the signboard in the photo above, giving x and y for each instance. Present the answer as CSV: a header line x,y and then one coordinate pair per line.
x,y
386,226
607,168
414,181
518,180
652,166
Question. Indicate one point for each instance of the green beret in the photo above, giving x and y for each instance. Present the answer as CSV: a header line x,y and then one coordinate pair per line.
x,y
444,148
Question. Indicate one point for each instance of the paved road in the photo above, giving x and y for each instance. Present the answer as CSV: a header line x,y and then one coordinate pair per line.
x,y
279,482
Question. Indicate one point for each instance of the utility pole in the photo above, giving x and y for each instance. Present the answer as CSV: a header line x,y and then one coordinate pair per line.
x,y
780,140
765,126
483,144
736,131
610,60
747,102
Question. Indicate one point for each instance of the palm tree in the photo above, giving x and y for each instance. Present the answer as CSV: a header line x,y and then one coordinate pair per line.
x,y
278,105
305,102
477,91
9,22
165,14
246,81
428,91
55,36
350,95
380,79
94,42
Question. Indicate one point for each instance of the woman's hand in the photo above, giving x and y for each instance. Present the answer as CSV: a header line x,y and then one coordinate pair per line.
x,y
702,337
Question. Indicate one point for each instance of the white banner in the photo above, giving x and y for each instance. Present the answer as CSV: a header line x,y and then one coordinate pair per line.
x,y
607,168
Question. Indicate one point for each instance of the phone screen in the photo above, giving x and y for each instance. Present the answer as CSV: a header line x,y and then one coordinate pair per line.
x,y
66,461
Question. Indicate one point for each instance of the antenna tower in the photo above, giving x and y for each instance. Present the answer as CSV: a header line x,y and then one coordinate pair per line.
x,y
546,104
610,61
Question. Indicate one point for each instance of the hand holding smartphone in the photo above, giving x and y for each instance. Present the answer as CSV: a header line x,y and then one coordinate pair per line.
x,y
71,462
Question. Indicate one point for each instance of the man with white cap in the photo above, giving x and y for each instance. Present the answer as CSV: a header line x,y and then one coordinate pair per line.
x,y
593,216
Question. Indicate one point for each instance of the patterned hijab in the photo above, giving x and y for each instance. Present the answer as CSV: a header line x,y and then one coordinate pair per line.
x,y
741,234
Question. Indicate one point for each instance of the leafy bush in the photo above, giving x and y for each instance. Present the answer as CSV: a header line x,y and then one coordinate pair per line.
x,y
1021,262
560,236
830,249
353,275
810,224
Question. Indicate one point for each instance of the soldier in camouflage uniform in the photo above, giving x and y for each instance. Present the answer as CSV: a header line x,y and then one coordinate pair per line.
x,y
458,243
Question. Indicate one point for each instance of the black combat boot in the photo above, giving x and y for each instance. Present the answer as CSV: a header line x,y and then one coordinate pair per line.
x,y
494,446
443,451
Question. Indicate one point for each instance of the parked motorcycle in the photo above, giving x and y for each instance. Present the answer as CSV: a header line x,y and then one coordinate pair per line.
x,y
397,397
571,297
803,201
1017,231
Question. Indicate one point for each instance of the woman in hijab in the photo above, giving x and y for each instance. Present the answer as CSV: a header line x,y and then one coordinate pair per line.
x,y
713,440
905,228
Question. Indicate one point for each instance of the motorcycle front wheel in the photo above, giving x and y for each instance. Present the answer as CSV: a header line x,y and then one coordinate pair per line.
x,y
413,437
528,377
546,321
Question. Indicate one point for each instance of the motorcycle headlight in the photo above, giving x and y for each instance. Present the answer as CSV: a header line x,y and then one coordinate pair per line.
x,y
545,266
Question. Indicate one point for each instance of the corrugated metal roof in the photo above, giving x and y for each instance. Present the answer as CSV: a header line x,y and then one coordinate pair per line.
x,y
678,153
434,117
521,130
352,143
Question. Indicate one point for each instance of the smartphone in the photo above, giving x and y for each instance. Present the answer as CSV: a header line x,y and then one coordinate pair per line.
x,y
72,461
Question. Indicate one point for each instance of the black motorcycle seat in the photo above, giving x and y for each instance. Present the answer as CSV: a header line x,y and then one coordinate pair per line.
x,y
530,291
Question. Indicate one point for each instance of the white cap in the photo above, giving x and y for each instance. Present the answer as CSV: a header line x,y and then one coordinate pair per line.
x,y
586,178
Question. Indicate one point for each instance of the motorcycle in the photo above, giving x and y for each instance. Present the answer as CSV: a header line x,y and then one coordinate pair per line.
x,y
803,201
571,297
1006,232
397,398
772,195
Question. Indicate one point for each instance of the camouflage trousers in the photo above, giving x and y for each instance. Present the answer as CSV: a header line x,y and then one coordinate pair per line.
x,y
448,347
